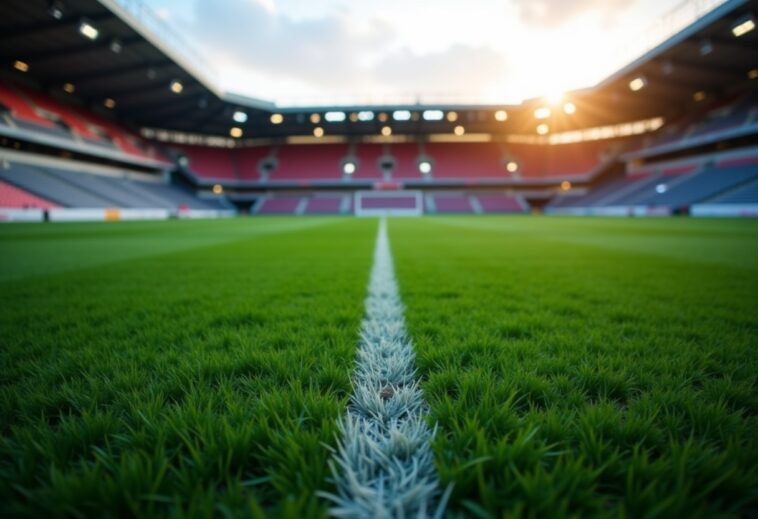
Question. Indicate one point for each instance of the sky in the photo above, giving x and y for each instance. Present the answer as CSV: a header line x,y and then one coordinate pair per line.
x,y
326,52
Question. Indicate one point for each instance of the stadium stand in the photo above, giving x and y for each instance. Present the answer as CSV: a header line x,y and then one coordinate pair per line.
x,y
210,163
405,157
500,203
249,159
466,160
280,205
369,157
309,162
451,203
325,205
13,197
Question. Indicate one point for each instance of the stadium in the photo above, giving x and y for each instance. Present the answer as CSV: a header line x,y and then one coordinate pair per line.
x,y
219,302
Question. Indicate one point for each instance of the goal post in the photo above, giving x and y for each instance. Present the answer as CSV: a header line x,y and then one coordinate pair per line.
x,y
389,203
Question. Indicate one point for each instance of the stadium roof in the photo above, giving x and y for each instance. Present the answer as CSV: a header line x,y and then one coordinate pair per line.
x,y
155,85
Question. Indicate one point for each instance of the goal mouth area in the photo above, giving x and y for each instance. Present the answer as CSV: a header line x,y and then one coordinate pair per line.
x,y
402,202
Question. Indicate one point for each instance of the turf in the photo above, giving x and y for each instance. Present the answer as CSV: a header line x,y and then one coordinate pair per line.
x,y
575,367
179,368
588,367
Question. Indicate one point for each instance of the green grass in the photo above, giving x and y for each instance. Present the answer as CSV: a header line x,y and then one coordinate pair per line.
x,y
179,368
576,367
588,367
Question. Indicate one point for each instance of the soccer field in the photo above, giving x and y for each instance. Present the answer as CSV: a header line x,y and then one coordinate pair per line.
x,y
573,367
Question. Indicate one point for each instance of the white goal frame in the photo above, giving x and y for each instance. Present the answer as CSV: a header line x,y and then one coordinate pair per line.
x,y
415,195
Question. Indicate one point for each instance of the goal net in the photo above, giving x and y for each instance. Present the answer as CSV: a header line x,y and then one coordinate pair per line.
x,y
389,203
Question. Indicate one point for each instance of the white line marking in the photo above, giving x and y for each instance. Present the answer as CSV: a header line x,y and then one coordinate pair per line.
x,y
383,466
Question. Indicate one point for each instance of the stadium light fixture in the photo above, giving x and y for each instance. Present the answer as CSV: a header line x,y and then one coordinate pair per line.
x,y
511,167
565,185
318,132
542,112
116,46
386,131
699,96
365,116
433,115
218,189
383,117
425,167
109,103
459,130
239,116
88,30
348,168
56,9
151,73
315,118
334,117
276,119
569,108
661,188
452,116
501,116
401,115
752,73
543,129
637,84
176,86
21,66
743,26
69,88
353,117
236,132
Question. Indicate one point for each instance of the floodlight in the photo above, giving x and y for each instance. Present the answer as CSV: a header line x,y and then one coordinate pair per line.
x,y
401,115
452,116
425,167
334,117
569,108
315,118
348,168
276,118
501,115
743,26
69,88
383,117
637,84
512,166
21,66
88,30
176,86
699,96
218,189
565,185
109,103
386,131
318,132
661,188
752,73
459,130
239,116
543,129
366,116
236,132
706,47
433,115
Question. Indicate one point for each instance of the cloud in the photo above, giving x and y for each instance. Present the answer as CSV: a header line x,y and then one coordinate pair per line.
x,y
336,54
551,13
458,69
